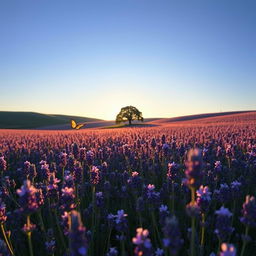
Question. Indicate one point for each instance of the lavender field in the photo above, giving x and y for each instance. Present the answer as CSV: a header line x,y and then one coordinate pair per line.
x,y
175,189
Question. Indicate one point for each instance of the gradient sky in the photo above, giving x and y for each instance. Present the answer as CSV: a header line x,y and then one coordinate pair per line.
x,y
90,58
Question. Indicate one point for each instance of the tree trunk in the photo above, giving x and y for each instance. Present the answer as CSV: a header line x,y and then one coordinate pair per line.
x,y
130,121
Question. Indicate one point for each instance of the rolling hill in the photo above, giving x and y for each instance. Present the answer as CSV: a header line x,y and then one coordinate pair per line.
x,y
30,120
200,116
33,120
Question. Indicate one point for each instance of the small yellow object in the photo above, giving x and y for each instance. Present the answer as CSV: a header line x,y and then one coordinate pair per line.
x,y
76,126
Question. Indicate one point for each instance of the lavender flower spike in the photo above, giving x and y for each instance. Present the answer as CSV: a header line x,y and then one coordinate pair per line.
x,y
3,164
249,212
194,167
121,221
95,175
78,242
223,227
172,236
203,198
28,197
3,216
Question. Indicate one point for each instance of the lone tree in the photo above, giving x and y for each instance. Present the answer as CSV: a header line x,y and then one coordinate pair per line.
x,y
129,114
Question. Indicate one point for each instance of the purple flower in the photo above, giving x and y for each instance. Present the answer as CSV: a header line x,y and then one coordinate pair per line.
x,y
205,153
78,173
4,192
71,162
67,199
228,150
135,180
89,157
159,252
203,198
217,167
69,180
223,195
3,216
75,150
44,172
163,214
120,221
3,164
50,244
32,171
9,183
152,196
228,250
112,252
194,167
82,153
94,175
26,168
65,223
236,188
151,187
192,209
63,159
165,148
163,139
249,212
28,197
99,199
172,236
50,247
153,143
219,151
223,227
52,188
53,168
77,236
172,171
142,242
40,197
104,166
111,220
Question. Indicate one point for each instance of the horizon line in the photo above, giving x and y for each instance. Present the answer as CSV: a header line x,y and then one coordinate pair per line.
x,y
75,115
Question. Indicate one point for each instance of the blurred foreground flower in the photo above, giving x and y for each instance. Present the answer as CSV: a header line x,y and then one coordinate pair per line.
x,y
77,238
142,242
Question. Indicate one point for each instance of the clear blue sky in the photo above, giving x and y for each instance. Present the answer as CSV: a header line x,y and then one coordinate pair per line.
x,y
90,58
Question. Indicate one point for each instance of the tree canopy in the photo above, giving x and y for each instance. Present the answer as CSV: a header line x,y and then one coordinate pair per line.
x,y
129,114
